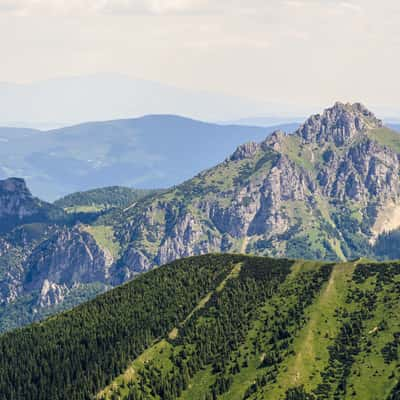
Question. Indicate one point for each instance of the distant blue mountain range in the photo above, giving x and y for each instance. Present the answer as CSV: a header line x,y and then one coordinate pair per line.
x,y
395,127
72,100
155,151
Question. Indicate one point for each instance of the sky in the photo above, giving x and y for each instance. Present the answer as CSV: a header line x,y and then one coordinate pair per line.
x,y
308,52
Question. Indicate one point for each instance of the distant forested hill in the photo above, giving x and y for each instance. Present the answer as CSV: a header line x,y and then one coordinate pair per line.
x,y
155,151
103,198
219,327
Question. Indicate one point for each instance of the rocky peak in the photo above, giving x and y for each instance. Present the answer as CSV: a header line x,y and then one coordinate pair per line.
x,y
14,185
15,199
19,206
246,150
338,124
273,141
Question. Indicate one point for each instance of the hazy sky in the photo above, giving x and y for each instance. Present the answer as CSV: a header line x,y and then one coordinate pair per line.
x,y
294,51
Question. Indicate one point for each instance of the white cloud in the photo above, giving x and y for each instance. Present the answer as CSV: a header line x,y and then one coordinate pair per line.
x,y
351,6
303,50
140,7
162,7
90,7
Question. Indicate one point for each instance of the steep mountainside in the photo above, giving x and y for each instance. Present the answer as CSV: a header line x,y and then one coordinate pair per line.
x,y
46,268
18,206
154,151
327,191
48,261
220,327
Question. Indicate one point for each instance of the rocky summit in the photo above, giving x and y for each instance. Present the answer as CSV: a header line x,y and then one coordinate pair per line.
x,y
338,124
328,191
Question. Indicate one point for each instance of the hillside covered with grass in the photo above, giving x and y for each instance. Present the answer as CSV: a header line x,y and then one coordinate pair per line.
x,y
102,198
220,327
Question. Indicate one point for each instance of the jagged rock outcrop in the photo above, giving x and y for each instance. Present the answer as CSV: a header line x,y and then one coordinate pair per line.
x,y
273,141
69,256
15,199
338,124
367,170
187,238
236,218
17,205
246,150
52,293
139,262
11,272
285,182
43,265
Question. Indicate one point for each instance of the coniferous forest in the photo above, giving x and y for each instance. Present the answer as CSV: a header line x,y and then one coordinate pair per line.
x,y
219,327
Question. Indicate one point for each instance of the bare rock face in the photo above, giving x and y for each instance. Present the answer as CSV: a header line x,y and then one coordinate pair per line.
x,y
134,262
15,199
273,141
187,238
18,206
338,124
52,294
286,182
47,262
236,218
12,271
246,150
366,171
69,256
10,277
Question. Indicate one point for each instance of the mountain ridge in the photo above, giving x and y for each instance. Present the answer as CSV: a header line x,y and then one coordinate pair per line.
x,y
302,195
224,326
258,187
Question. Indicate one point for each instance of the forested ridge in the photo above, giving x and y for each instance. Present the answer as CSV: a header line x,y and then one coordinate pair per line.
x,y
74,354
325,331
107,197
219,327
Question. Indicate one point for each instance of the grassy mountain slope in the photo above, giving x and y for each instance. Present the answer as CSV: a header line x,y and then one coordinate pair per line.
x,y
339,343
219,326
102,198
